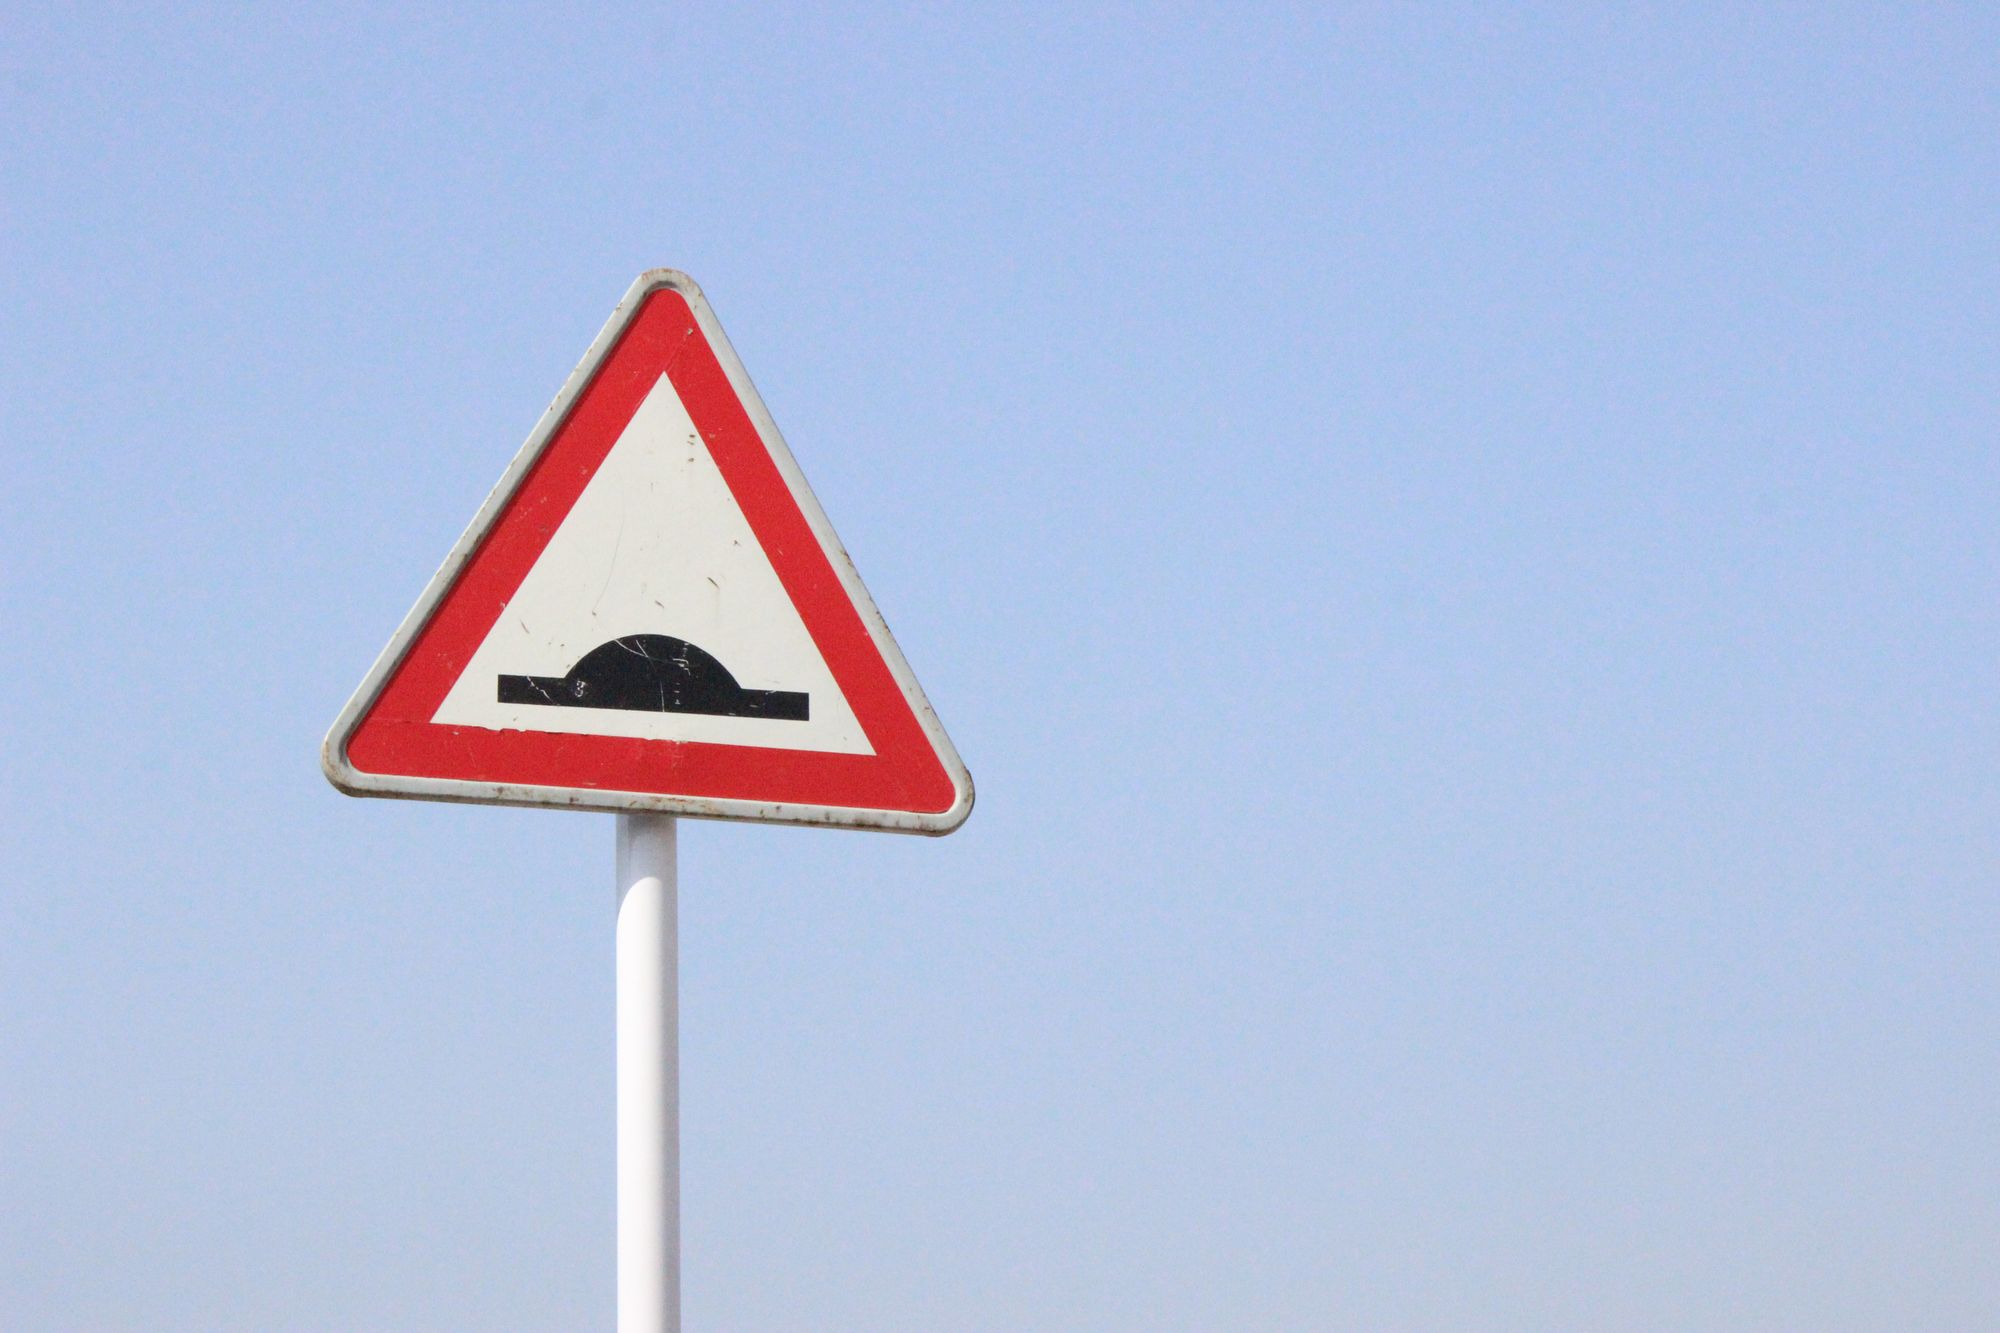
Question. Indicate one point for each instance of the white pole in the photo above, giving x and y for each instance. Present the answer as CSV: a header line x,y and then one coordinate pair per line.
x,y
649,1124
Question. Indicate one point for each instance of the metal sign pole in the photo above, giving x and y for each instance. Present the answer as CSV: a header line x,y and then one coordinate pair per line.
x,y
649,1129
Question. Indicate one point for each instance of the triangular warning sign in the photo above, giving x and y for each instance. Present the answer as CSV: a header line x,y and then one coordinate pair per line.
x,y
651,612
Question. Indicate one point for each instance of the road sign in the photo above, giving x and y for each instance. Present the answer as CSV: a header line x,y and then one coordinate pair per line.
x,y
651,613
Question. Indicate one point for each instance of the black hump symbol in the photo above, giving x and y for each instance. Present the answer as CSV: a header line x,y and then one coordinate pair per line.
x,y
653,673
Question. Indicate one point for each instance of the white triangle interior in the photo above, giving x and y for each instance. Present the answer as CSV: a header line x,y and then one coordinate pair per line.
x,y
656,544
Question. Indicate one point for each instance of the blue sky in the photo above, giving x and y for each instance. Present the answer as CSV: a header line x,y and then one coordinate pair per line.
x,y
1458,547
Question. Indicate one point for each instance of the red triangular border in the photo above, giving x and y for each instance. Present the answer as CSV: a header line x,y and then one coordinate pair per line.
x,y
395,737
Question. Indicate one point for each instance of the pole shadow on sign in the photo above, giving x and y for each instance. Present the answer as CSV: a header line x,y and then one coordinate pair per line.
x,y
653,673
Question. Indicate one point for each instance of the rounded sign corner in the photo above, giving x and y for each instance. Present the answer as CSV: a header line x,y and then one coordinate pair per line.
x,y
667,280
952,818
